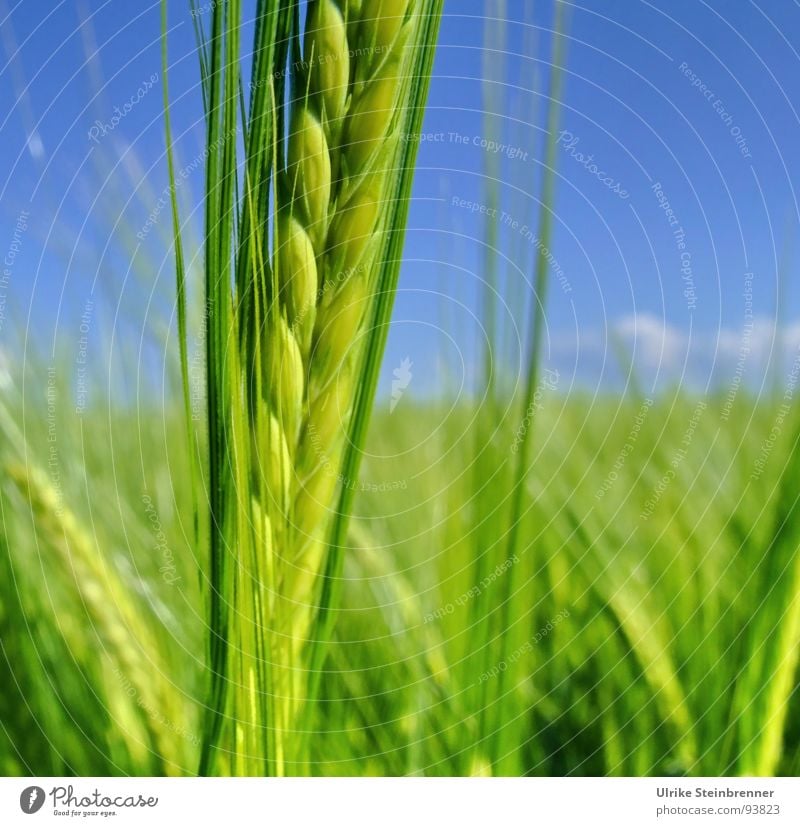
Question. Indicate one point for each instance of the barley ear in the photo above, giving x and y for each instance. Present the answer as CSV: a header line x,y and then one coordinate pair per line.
x,y
316,263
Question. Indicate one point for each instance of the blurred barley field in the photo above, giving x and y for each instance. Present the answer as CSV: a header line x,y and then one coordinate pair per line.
x,y
653,611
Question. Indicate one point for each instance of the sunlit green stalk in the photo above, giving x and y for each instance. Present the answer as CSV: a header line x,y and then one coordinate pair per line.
x,y
496,703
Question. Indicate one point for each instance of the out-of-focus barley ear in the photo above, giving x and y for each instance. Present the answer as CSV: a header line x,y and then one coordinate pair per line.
x,y
127,643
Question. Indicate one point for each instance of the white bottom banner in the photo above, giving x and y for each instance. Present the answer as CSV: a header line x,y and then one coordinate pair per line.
x,y
402,801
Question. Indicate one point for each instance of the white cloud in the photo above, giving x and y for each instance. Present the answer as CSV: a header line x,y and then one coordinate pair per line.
x,y
654,343
662,352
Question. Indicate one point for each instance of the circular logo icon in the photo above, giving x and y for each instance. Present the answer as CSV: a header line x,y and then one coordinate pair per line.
x,y
31,799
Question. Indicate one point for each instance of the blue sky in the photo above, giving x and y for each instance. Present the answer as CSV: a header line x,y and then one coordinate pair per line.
x,y
701,98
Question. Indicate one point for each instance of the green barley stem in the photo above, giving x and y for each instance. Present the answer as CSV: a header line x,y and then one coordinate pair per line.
x,y
522,465
487,492
180,270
